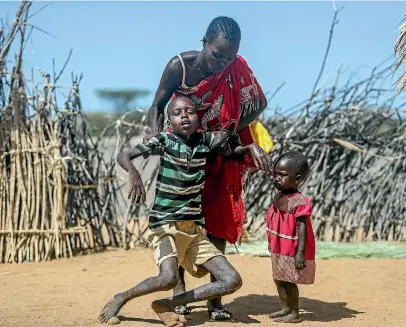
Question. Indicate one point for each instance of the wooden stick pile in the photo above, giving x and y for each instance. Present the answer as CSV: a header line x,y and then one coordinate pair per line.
x,y
354,138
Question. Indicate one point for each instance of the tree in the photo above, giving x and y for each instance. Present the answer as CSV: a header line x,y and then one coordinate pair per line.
x,y
121,99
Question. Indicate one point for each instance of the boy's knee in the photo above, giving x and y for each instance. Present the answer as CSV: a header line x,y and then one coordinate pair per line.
x,y
233,281
168,280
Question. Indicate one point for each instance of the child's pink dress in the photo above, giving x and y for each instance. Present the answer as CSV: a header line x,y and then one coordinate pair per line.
x,y
283,240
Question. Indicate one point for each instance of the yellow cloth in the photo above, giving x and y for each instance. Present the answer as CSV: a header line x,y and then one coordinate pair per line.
x,y
261,136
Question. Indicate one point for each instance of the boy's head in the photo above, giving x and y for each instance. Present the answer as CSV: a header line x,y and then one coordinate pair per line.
x,y
290,170
182,116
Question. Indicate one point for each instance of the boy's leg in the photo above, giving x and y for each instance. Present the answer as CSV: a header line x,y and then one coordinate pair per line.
x,y
215,307
293,294
221,313
179,289
166,280
285,299
227,282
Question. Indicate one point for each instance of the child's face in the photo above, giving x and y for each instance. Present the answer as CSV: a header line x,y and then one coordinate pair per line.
x,y
285,177
183,117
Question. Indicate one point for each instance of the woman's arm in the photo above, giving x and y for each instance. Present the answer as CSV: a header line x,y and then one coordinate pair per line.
x,y
248,119
170,80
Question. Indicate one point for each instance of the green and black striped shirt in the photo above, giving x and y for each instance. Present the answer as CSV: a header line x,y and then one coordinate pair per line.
x,y
180,178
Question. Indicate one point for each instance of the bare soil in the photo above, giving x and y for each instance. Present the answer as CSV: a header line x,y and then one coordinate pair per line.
x,y
59,293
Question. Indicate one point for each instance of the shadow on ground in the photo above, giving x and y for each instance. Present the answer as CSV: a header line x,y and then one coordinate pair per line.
x,y
245,308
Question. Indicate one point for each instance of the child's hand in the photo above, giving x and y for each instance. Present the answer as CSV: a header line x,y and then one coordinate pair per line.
x,y
136,188
300,261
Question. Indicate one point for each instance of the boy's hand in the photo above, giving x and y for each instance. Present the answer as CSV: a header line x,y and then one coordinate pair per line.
x,y
157,150
300,261
136,188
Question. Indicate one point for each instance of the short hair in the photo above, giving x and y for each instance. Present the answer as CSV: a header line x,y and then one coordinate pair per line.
x,y
224,26
179,97
298,162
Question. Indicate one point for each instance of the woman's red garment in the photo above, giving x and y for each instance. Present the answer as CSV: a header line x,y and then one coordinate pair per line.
x,y
222,99
282,230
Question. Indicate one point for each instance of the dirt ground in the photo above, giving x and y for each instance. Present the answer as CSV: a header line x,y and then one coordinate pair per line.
x,y
368,293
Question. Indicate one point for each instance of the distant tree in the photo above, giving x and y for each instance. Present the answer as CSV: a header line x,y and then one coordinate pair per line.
x,y
121,99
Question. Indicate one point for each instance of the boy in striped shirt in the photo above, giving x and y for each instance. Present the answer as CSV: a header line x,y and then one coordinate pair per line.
x,y
176,220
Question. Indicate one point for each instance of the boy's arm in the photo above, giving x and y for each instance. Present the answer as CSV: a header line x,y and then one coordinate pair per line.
x,y
136,190
124,158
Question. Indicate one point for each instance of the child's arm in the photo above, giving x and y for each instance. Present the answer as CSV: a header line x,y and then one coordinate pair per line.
x,y
136,190
124,158
300,261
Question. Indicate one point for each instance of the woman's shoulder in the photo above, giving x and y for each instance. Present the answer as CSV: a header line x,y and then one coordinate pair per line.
x,y
241,61
174,66
175,63
242,65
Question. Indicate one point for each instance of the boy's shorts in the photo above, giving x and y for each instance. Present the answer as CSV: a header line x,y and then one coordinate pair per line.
x,y
186,241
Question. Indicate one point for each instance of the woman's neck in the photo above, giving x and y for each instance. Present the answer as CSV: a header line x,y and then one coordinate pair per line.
x,y
199,64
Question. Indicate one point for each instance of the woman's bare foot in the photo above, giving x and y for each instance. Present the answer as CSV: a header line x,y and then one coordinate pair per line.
x,y
292,317
281,313
166,313
111,308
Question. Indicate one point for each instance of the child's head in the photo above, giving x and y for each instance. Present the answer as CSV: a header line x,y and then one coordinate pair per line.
x,y
290,170
182,116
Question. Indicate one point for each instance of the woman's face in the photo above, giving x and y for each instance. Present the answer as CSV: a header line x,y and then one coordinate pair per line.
x,y
220,53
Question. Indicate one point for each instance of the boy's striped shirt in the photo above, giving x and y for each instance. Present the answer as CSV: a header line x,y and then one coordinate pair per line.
x,y
180,178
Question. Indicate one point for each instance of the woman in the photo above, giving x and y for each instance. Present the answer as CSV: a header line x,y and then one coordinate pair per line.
x,y
226,92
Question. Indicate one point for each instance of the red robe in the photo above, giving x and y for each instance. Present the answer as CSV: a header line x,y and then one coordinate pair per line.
x,y
222,99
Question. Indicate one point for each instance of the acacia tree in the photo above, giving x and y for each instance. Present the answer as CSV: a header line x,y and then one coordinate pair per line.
x,y
121,99
121,102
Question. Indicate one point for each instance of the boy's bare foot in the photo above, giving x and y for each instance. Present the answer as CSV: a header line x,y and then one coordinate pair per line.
x,y
111,309
165,312
281,313
183,311
292,318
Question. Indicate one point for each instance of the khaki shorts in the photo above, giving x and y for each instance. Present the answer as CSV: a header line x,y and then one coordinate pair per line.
x,y
185,240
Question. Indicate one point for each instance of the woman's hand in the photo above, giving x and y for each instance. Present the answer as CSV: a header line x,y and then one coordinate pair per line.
x,y
261,159
136,189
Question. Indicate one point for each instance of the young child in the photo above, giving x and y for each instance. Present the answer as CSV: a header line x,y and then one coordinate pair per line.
x,y
290,235
176,220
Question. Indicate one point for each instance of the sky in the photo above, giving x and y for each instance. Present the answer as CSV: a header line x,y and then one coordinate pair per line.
x,y
127,44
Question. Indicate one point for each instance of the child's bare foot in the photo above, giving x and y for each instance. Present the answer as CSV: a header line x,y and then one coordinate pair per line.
x,y
183,311
292,317
165,312
281,313
111,308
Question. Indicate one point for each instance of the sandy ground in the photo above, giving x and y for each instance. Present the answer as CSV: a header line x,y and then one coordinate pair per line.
x,y
368,293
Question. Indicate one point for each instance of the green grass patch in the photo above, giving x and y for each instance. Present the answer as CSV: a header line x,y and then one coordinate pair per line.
x,y
331,250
